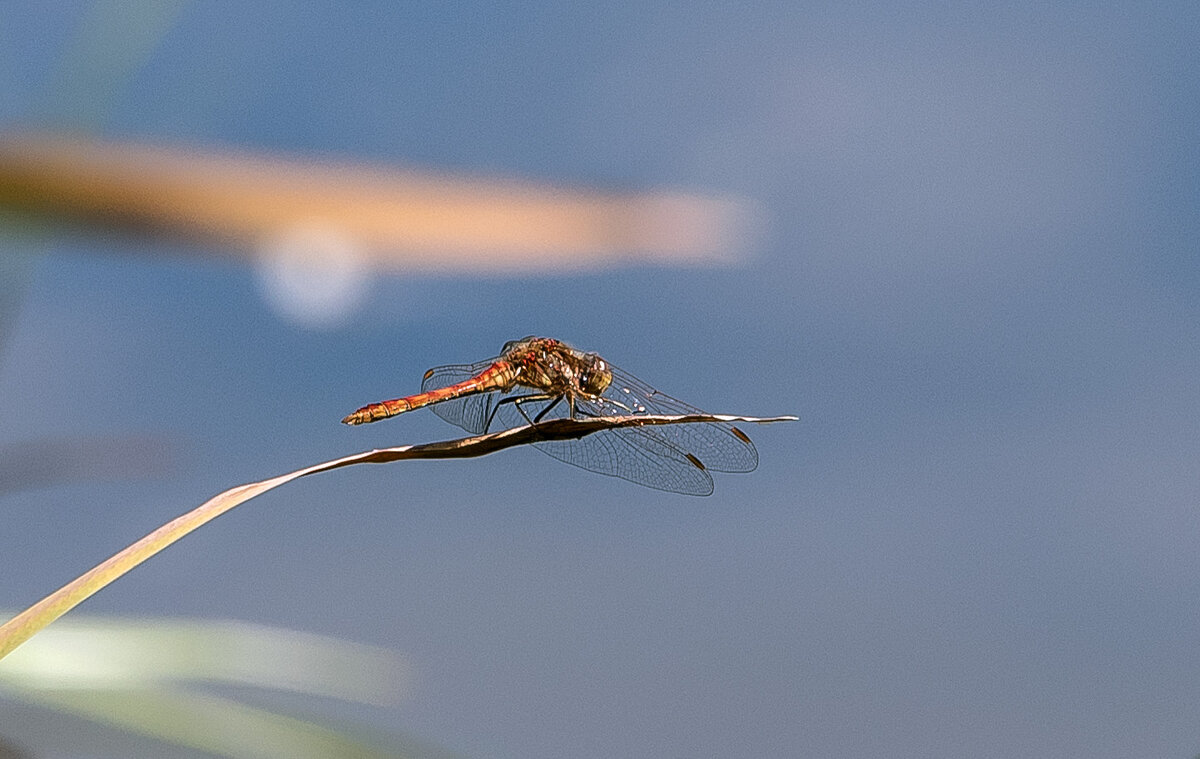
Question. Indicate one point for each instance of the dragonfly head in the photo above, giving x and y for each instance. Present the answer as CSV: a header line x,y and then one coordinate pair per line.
x,y
595,376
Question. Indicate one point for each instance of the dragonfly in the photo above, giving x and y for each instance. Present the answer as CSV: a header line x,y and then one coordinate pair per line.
x,y
540,378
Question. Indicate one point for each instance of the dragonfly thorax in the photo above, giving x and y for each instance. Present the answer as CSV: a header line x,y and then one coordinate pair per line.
x,y
556,368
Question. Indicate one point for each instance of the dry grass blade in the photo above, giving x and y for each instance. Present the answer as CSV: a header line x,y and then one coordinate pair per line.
x,y
23,626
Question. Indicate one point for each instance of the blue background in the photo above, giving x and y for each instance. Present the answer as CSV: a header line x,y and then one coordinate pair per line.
x,y
976,282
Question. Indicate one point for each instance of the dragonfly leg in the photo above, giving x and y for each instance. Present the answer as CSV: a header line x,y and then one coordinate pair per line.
x,y
517,400
546,410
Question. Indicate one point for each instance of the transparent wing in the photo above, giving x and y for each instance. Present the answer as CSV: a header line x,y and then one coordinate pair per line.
x,y
720,447
640,458
470,412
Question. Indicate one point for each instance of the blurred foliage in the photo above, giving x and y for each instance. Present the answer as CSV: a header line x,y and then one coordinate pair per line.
x,y
149,678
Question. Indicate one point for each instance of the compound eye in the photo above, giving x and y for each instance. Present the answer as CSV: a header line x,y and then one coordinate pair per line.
x,y
595,378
